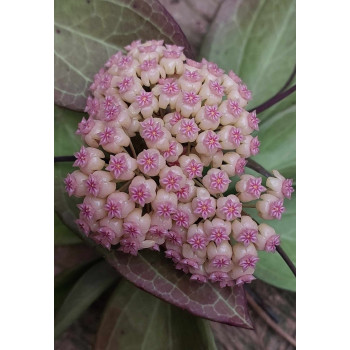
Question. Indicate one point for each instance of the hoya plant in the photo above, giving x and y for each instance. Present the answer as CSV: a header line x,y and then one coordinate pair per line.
x,y
176,163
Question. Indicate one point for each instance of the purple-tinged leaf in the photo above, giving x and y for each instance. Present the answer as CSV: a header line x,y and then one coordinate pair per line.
x,y
152,272
88,32
134,319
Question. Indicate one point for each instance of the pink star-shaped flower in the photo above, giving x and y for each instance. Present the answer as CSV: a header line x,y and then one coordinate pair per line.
x,y
70,184
248,261
175,118
232,210
254,146
171,182
188,127
218,181
86,211
147,65
221,261
148,161
181,219
183,193
240,165
82,157
234,108
193,76
271,243
125,84
106,136
248,236
190,98
171,88
139,194
131,229
287,188
212,113
92,185
144,99
276,209
194,169
165,209
235,136
253,120
211,141
113,209
216,88
254,187
197,241
153,132
204,208
174,238
218,234
85,126
117,165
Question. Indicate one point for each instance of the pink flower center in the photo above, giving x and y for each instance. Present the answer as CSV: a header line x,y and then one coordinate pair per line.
x,y
254,146
219,181
70,184
193,76
216,88
117,165
171,89
125,84
183,193
253,121
148,64
106,136
271,243
139,194
113,208
211,141
212,113
85,126
175,118
204,208
232,210
248,261
92,106
86,211
124,62
171,182
171,151
153,132
181,219
244,92
221,261
166,210
240,165
276,209
174,238
188,127
82,157
194,169
235,136
234,108
197,241
144,99
254,187
214,69
248,236
148,161
218,234
131,229
287,188
92,185
190,98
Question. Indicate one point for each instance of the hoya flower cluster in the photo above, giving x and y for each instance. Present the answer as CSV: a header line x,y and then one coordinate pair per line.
x,y
165,137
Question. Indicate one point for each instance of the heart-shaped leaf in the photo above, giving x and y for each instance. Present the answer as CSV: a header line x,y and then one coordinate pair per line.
x,y
87,289
257,40
87,33
134,319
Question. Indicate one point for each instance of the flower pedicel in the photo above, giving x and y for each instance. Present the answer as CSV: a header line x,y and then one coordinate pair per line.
x,y
176,134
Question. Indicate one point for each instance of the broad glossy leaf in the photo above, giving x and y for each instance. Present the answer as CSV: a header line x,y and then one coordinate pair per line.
x,y
87,33
136,320
66,123
64,235
277,135
255,38
87,289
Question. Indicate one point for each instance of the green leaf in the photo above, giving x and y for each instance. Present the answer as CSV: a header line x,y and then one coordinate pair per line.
x,y
63,235
65,281
87,289
135,320
87,33
277,135
256,39
66,123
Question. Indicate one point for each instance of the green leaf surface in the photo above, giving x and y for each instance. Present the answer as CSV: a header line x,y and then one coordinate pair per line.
x,y
64,235
256,39
277,135
66,123
65,281
135,320
88,32
87,289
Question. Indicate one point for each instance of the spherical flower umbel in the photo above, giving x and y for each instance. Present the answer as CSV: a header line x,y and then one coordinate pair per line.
x,y
166,145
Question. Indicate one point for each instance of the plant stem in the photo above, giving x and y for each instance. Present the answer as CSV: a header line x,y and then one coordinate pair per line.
x,y
274,99
286,258
288,81
64,159
267,319
252,164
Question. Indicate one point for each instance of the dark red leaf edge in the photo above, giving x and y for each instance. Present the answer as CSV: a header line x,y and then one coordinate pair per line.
x,y
225,305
